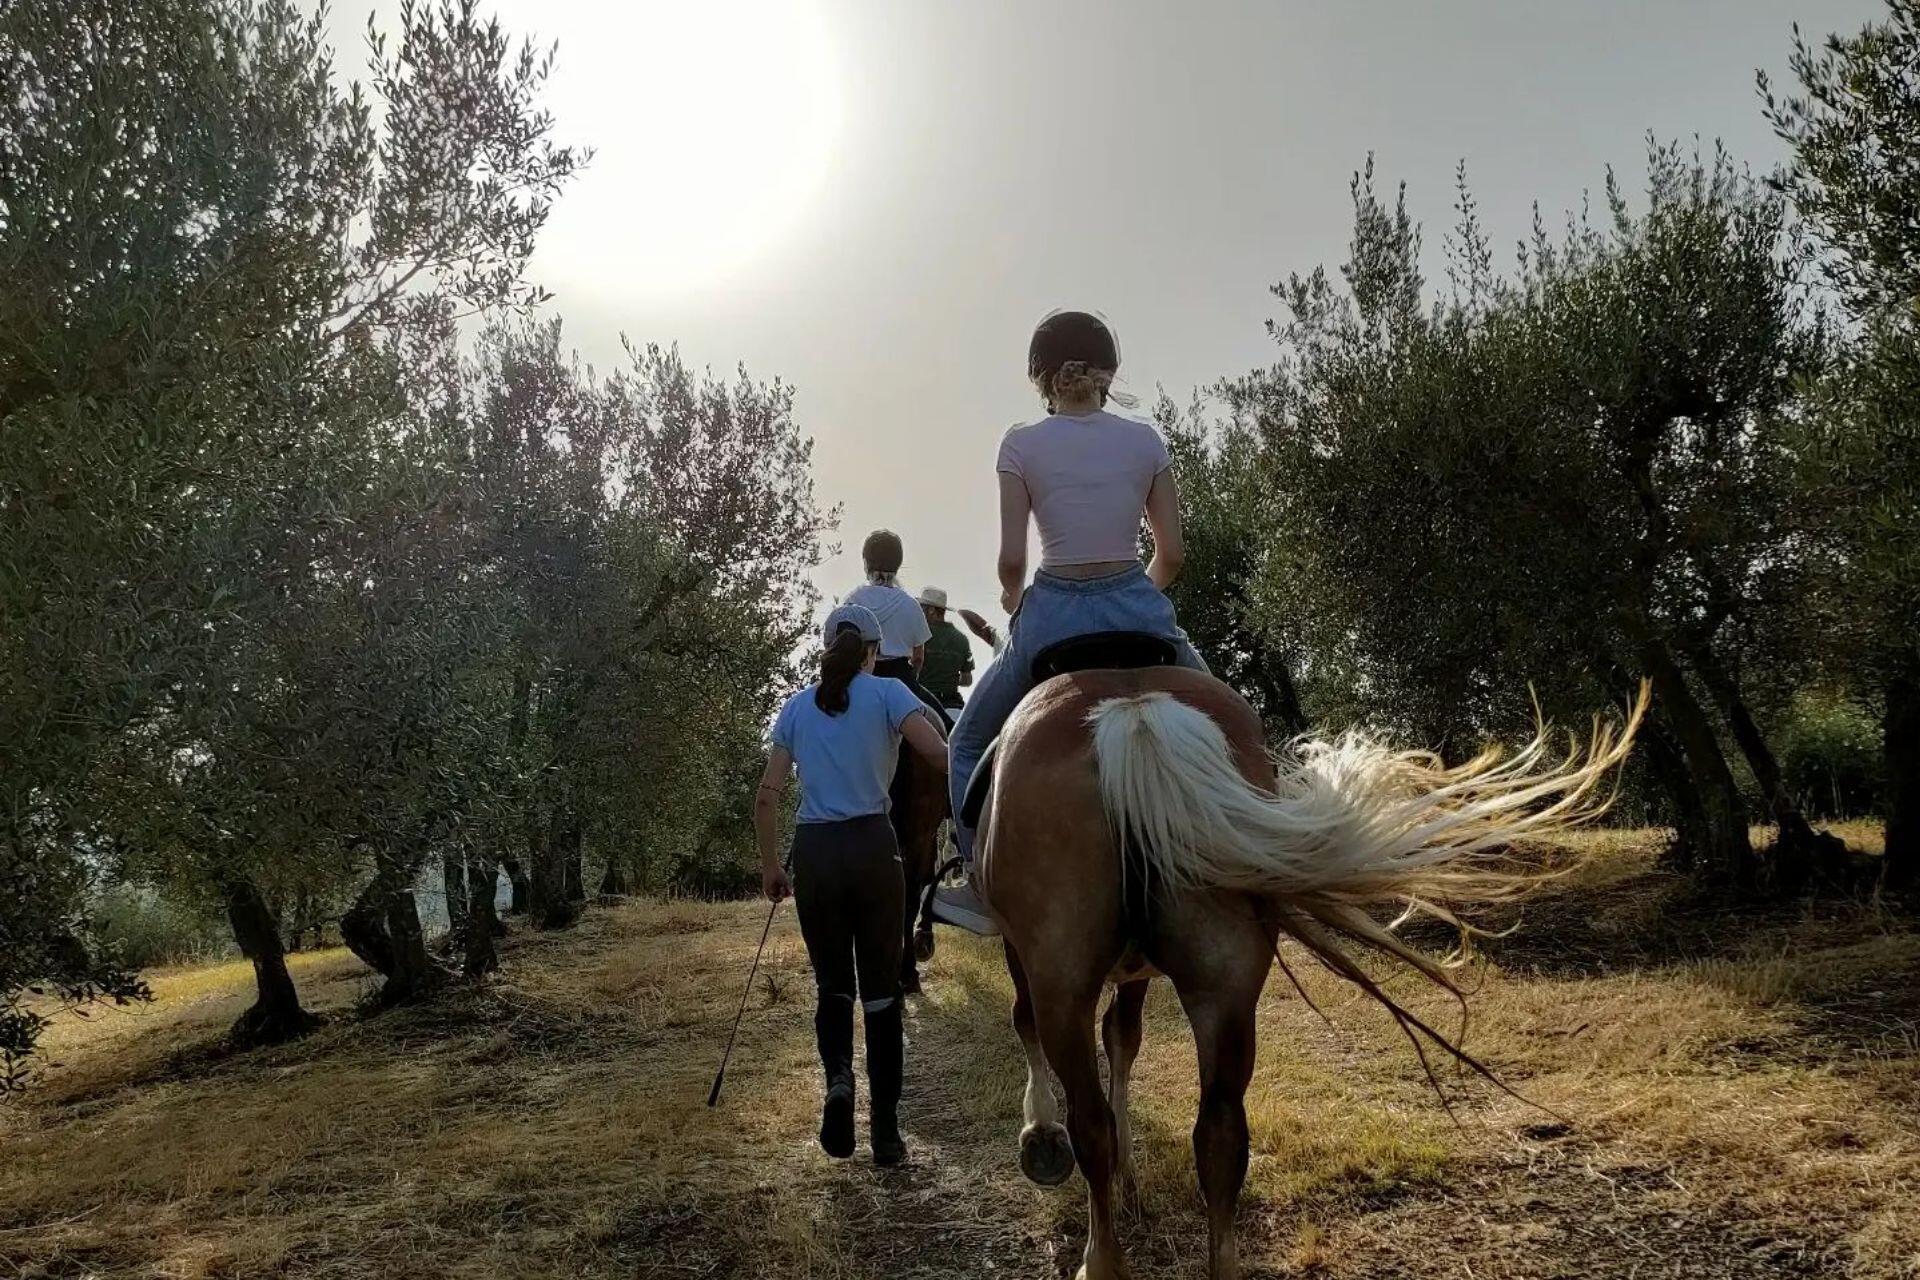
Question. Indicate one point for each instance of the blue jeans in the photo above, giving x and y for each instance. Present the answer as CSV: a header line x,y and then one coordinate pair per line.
x,y
1054,609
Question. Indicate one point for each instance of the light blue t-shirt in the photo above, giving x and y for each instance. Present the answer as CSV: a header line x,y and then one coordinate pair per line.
x,y
846,761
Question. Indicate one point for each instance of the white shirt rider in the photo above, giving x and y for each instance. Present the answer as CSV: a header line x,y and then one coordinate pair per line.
x,y
903,624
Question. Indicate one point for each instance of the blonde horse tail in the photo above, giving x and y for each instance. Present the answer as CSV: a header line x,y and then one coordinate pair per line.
x,y
1352,825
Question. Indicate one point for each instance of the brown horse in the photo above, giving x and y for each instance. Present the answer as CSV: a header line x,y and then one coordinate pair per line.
x,y
1139,827
920,806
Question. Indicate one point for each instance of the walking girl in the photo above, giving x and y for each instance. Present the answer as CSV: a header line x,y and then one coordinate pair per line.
x,y
844,733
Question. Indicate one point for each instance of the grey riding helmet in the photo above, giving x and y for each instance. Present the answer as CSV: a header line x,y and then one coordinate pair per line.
x,y
857,616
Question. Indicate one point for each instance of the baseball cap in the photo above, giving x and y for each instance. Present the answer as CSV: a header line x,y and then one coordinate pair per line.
x,y
857,616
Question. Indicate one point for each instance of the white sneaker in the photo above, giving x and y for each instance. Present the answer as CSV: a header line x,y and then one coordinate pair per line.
x,y
960,906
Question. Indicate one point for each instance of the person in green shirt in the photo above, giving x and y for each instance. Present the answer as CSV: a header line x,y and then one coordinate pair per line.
x,y
948,665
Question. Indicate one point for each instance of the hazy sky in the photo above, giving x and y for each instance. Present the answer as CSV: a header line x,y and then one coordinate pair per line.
x,y
876,199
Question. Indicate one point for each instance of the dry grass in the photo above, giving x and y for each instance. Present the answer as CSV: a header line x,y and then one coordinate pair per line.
x,y
1742,1090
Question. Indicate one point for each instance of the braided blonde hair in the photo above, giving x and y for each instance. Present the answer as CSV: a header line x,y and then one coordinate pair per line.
x,y
1078,380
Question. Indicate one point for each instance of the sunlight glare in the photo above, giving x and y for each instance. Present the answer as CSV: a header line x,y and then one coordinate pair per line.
x,y
713,124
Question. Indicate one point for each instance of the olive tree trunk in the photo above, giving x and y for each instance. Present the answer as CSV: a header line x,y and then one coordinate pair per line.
x,y
453,879
522,886
1800,853
483,922
276,1015
548,901
1723,852
1668,765
383,929
614,881
576,862
1901,743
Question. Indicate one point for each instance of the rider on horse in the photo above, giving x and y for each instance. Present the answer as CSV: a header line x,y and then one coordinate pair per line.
x,y
917,804
904,630
1085,477
948,666
1144,798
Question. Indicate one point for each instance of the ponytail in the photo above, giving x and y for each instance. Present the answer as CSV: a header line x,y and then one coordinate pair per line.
x,y
838,666
1078,380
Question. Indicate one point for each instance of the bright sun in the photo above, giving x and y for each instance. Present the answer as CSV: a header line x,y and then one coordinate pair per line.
x,y
712,123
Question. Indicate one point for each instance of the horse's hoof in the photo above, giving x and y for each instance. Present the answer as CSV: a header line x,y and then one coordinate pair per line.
x,y
1046,1154
923,945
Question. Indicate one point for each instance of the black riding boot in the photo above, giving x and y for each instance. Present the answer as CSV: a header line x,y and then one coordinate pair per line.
x,y
833,1031
886,1052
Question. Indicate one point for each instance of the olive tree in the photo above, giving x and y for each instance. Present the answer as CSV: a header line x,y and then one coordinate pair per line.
x,y
655,529
1568,479
1855,176
204,231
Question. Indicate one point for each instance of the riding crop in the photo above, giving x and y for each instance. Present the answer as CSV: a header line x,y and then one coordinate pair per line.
x,y
713,1096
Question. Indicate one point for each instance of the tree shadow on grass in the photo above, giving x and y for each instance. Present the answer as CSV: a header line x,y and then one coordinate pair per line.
x,y
1651,919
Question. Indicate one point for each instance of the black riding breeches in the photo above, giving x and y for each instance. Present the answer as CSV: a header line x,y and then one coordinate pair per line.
x,y
847,885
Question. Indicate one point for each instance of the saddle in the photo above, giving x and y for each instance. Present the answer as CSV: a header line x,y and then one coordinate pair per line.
x,y
1101,651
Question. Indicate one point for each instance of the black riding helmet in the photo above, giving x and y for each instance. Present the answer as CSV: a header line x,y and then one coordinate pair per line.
x,y
1067,336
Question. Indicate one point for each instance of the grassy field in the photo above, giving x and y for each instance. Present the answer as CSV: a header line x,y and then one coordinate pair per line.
x,y
1741,1093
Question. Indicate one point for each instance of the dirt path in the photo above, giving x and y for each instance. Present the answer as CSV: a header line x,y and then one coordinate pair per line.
x,y
1736,1115
1512,1194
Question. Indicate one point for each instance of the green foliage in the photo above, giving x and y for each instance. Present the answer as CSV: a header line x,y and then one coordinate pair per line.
x,y
653,532
1480,489
142,927
1855,133
1558,481
45,962
1645,453
1830,752
1859,471
1223,486
302,591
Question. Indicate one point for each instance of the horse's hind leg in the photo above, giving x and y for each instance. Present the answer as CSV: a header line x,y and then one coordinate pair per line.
x,y
1064,1006
1219,981
914,825
921,944
910,949
1121,1030
1046,1155
1224,1035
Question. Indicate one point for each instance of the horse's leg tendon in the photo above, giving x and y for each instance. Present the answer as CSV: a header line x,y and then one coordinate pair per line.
x,y
1217,954
1046,1155
1223,1031
904,817
1064,1008
1121,1030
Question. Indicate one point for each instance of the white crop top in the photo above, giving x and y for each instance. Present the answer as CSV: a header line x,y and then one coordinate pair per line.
x,y
1088,478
